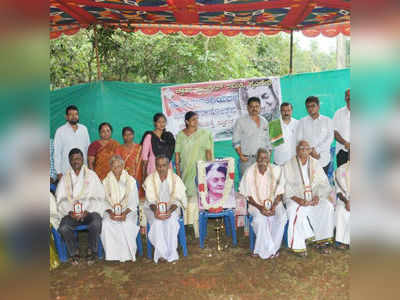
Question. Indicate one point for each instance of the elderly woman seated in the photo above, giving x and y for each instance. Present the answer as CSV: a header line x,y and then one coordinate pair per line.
x,y
119,229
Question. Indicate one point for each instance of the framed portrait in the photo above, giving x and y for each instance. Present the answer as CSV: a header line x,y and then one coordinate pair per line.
x,y
215,184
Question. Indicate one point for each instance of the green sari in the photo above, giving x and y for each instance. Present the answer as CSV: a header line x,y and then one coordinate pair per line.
x,y
192,149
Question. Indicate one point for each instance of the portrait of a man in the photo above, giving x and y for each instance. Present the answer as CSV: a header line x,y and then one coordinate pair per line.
x,y
269,96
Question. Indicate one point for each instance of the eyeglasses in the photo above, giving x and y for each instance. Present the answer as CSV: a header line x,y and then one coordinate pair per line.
x,y
304,148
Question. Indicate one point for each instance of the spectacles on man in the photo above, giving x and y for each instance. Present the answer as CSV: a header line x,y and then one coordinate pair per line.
x,y
304,148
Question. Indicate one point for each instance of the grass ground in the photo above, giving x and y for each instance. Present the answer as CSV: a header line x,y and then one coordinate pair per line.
x,y
207,274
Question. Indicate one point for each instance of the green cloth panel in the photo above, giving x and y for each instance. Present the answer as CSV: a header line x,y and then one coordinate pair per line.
x,y
133,104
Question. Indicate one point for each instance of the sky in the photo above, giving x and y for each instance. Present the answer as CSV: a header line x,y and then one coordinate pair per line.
x,y
325,44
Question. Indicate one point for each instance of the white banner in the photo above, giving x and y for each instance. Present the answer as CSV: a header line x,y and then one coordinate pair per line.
x,y
219,103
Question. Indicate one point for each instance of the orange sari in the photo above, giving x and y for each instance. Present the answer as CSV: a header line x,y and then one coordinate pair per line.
x,y
102,156
132,160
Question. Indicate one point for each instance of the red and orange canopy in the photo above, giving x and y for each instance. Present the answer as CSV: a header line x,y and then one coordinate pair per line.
x,y
209,17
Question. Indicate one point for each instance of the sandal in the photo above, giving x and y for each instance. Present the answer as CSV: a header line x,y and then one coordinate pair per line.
x,y
341,246
301,254
91,257
323,248
75,259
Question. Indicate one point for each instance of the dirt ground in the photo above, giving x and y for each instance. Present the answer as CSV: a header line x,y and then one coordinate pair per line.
x,y
207,274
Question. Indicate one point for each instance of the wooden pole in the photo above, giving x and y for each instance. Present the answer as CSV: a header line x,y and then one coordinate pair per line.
x,y
291,53
97,53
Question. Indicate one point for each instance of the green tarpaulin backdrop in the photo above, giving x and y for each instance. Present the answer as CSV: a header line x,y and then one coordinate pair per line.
x,y
131,104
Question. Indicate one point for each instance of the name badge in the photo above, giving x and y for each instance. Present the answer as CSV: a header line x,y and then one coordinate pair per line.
x,y
308,193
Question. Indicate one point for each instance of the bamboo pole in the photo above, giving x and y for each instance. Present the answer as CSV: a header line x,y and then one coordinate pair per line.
x,y
291,53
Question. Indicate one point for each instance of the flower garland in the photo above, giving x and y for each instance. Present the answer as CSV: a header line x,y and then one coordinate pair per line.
x,y
157,192
202,183
69,186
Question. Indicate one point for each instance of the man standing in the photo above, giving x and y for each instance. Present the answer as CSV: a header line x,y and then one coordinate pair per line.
x,y
165,192
341,122
287,150
310,213
263,185
317,130
70,135
249,134
342,183
80,200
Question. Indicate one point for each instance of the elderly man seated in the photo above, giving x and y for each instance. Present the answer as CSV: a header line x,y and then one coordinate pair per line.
x,y
311,214
80,201
263,185
165,192
120,218
342,180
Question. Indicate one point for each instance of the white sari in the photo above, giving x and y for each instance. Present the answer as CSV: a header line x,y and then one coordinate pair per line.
x,y
119,237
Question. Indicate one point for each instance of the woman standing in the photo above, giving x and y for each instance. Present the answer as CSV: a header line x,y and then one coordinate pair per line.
x,y
101,151
192,144
156,142
130,153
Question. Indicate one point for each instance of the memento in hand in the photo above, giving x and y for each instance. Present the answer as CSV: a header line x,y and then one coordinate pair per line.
x,y
78,208
268,204
308,194
117,208
162,208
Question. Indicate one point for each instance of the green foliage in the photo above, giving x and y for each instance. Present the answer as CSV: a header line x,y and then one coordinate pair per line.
x,y
175,58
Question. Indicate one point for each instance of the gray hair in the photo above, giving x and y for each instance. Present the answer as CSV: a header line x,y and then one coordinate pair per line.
x,y
262,150
115,158
302,141
162,156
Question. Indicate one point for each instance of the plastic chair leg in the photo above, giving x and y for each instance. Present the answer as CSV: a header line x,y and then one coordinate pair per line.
x,y
182,237
285,235
149,245
251,233
227,225
100,249
60,246
233,228
202,228
139,244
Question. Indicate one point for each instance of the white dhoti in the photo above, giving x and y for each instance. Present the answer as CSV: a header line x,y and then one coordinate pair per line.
x,y
268,230
306,222
342,223
119,238
342,180
163,235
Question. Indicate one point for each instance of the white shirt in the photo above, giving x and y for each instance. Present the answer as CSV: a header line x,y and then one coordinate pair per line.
x,y
66,139
287,150
341,122
319,134
304,171
164,191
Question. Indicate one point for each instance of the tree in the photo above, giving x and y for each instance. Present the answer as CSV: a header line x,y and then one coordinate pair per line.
x,y
175,58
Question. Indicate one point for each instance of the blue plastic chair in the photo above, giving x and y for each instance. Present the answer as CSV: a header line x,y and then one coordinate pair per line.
x,y
252,235
331,167
181,238
229,220
62,247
